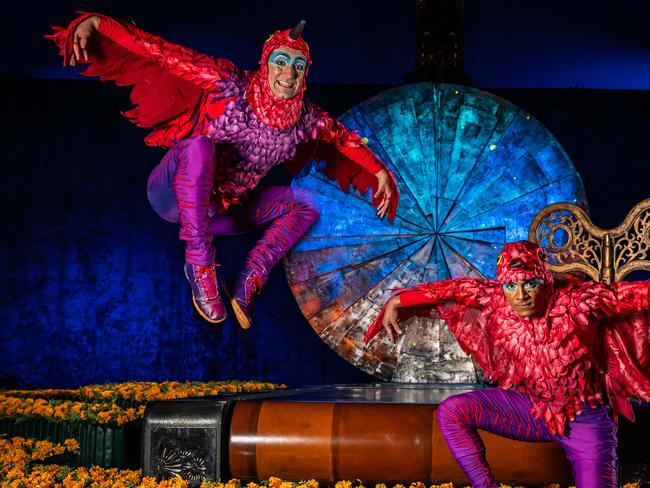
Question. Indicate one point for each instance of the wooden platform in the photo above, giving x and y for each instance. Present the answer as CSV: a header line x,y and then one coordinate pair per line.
x,y
375,433
385,432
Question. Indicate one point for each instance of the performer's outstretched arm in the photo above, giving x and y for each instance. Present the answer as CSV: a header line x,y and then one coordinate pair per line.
x,y
170,83
351,162
418,300
76,45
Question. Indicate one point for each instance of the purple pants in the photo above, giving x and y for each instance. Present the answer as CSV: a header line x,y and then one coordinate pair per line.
x,y
589,441
180,189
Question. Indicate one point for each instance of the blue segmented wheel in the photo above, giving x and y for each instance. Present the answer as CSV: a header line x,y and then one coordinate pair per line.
x,y
473,170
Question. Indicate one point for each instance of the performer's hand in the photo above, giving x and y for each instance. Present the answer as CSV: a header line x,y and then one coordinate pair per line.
x,y
390,320
385,188
80,39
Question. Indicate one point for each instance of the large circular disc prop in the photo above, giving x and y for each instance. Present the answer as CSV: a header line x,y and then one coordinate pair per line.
x,y
473,170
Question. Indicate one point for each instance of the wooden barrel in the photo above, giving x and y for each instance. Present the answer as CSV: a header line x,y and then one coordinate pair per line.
x,y
331,441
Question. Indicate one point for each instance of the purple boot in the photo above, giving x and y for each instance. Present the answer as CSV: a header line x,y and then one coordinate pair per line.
x,y
205,292
248,286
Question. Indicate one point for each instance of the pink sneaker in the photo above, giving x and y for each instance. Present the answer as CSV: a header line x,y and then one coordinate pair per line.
x,y
248,286
205,292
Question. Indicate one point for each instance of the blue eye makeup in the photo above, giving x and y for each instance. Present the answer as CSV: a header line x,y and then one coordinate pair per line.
x,y
530,285
278,57
510,287
282,59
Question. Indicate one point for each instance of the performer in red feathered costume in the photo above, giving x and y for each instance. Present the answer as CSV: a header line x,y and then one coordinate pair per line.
x,y
225,129
566,357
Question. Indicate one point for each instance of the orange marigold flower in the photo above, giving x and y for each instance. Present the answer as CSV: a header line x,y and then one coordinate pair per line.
x,y
71,444
275,482
148,482
103,417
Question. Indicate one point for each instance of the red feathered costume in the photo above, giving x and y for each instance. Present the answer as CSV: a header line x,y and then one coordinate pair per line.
x,y
590,347
226,128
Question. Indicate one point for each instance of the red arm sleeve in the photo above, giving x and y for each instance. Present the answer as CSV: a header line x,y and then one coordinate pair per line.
x,y
419,300
170,83
186,63
362,156
349,160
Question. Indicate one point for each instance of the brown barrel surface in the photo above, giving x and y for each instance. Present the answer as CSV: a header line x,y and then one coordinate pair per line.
x,y
331,441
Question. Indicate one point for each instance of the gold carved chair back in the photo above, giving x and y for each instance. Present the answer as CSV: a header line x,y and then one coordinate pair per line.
x,y
573,243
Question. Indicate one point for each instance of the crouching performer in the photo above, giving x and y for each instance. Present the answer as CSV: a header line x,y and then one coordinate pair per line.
x,y
564,356
225,128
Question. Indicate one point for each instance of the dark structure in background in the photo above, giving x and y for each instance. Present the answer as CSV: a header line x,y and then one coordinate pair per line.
x,y
439,42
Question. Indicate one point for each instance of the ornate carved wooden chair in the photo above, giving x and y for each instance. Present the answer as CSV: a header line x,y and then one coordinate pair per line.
x,y
574,244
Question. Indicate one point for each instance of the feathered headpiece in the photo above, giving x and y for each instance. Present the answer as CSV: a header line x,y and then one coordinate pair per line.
x,y
271,110
522,260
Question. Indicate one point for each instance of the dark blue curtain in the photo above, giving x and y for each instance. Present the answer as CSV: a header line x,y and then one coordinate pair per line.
x,y
92,288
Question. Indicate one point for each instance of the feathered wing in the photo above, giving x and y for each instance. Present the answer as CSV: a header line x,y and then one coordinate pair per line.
x,y
626,344
170,82
347,159
624,308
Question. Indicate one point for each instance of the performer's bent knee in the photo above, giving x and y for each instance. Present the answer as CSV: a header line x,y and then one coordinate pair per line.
x,y
449,414
197,152
305,202
198,143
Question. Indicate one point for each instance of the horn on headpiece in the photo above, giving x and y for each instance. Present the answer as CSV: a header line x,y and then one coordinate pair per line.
x,y
296,32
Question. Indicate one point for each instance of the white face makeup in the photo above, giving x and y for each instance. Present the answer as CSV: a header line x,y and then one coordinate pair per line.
x,y
286,68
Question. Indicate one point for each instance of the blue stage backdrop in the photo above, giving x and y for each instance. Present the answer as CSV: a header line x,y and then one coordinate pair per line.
x,y
92,282
473,171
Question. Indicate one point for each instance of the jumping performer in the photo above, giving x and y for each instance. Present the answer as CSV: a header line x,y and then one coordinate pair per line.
x,y
225,128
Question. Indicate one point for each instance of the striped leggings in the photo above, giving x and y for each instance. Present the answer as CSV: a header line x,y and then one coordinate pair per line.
x,y
589,441
179,190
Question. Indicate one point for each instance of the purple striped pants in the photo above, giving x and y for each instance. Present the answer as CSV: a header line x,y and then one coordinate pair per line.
x,y
589,441
179,190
